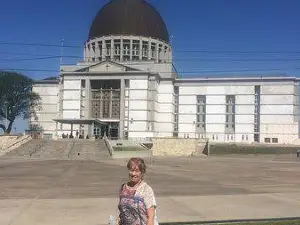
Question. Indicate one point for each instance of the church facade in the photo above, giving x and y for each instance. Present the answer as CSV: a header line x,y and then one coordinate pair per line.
x,y
126,88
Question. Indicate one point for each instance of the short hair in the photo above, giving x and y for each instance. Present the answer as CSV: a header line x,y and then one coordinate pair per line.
x,y
139,162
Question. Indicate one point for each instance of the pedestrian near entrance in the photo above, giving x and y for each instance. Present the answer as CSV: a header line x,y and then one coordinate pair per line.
x,y
137,204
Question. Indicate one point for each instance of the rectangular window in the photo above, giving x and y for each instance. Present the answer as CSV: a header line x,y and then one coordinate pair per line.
x,y
176,110
256,113
267,140
230,113
274,140
82,83
201,113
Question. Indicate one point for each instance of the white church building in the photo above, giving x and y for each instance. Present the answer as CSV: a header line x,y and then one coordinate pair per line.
x,y
126,87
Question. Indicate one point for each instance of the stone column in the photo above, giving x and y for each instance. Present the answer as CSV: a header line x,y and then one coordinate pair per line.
x,y
56,127
141,49
121,49
149,50
103,50
97,51
122,109
112,49
131,48
87,98
92,130
157,52
87,103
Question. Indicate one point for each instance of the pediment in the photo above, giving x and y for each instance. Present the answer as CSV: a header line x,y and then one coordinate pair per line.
x,y
107,66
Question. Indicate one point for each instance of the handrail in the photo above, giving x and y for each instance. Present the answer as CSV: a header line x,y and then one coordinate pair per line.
x,y
71,148
144,147
24,139
110,148
36,149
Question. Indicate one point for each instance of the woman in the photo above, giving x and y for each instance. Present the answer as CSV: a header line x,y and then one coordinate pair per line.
x,y
137,201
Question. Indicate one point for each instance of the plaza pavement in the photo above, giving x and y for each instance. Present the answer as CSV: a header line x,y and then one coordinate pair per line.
x,y
60,192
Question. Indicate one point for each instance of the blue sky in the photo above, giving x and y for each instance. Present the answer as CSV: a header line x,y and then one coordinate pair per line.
x,y
209,37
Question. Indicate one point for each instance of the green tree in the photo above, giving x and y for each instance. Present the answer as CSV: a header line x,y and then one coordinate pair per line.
x,y
35,127
16,98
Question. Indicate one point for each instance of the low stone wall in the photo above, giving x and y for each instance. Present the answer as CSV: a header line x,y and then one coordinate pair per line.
x,y
9,143
125,143
179,147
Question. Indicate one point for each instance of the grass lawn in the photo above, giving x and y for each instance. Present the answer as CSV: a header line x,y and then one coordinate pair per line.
x,y
222,149
266,223
286,222
127,148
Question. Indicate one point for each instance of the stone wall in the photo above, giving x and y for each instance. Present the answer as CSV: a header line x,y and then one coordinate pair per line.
x,y
9,143
179,147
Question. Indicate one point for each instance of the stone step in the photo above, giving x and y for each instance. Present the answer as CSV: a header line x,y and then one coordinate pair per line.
x,y
71,149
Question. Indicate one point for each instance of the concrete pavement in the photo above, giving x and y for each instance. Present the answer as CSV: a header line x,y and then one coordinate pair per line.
x,y
187,189
96,211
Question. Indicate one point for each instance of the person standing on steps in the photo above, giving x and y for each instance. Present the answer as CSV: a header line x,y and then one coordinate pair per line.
x,y
137,204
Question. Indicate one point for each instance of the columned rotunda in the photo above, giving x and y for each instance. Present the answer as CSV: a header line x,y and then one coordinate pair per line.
x,y
126,87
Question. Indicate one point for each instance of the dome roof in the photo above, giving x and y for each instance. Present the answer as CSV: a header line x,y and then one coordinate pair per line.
x,y
129,17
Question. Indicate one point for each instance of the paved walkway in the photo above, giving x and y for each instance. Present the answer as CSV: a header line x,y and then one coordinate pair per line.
x,y
60,192
171,209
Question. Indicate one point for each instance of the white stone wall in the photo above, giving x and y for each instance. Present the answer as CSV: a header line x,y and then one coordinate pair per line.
x,y
49,106
278,111
165,109
71,97
138,109
278,119
163,69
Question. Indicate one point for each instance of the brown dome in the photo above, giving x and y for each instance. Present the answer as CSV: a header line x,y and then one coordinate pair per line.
x,y
129,17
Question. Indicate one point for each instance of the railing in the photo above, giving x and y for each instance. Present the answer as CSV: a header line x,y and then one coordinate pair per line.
x,y
36,149
7,149
70,147
110,148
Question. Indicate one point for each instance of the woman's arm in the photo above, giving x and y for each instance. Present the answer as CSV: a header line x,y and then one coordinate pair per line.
x,y
151,214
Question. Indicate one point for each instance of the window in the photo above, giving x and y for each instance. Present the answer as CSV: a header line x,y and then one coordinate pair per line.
x,y
176,108
82,83
256,112
201,113
274,140
267,140
246,137
242,137
96,131
230,112
145,50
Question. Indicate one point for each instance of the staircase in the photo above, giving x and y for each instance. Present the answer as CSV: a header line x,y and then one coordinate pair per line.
x,y
89,150
27,149
66,149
